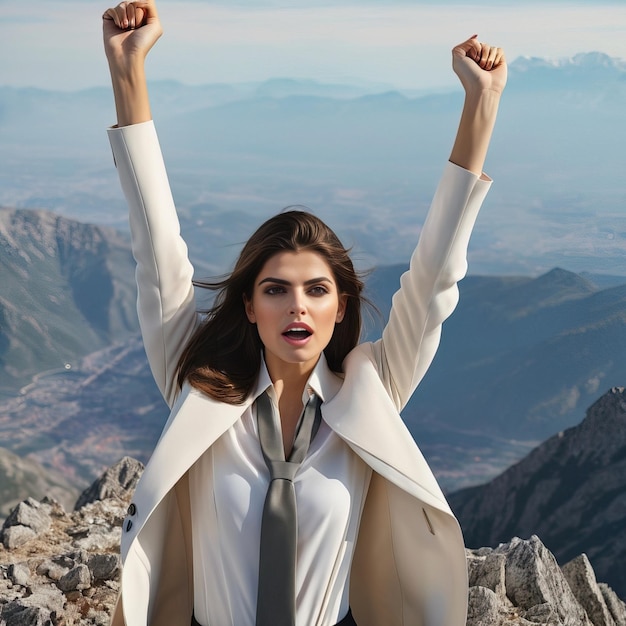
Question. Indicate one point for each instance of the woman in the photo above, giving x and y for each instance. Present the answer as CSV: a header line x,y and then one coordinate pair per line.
x,y
376,542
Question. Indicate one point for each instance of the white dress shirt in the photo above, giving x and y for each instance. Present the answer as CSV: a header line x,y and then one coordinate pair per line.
x,y
228,485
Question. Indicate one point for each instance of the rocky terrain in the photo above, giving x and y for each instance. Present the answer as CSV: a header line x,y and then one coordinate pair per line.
x,y
569,491
60,568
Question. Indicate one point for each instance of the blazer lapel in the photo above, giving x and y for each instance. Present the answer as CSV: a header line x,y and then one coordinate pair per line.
x,y
195,423
363,414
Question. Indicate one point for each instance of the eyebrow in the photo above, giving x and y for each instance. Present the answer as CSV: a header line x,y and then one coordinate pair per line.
x,y
280,281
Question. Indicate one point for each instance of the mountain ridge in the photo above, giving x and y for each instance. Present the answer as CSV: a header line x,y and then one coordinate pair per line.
x,y
68,288
569,490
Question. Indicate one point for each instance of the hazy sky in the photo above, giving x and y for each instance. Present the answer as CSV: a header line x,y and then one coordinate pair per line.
x,y
406,43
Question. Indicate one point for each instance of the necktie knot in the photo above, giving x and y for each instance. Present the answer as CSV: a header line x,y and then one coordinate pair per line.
x,y
282,470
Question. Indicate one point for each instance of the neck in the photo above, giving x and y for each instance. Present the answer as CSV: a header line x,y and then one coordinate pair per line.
x,y
289,378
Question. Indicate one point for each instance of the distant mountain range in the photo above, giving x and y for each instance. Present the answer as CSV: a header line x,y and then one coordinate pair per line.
x,y
522,357
519,359
571,491
365,159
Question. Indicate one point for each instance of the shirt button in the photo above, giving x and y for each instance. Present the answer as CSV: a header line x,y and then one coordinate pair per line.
x,y
129,525
132,509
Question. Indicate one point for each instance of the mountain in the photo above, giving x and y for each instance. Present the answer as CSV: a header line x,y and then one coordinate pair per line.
x,y
364,158
67,289
570,490
523,356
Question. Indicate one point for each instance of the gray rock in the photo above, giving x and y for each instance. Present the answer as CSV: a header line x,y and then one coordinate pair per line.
x,y
77,579
31,514
483,607
19,574
533,578
616,607
42,608
119,481
582,581
79,556
47,597
16,614
104,566
52,570
64,560
488,571
16,536
543,614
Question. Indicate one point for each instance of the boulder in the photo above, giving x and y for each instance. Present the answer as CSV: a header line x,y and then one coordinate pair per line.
x,y
118,481
520,584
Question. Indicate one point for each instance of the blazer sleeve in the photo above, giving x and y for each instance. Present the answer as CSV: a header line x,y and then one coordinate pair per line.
x,y
428,290
165,302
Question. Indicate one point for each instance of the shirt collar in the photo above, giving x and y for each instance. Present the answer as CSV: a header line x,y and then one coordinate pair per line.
x,y
322,381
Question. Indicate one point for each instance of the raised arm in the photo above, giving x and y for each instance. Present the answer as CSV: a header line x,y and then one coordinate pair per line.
x,y
482,71
165,296
428,291
130,30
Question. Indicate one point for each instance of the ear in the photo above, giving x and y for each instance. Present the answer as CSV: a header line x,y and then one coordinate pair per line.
x,y
249,309
341,310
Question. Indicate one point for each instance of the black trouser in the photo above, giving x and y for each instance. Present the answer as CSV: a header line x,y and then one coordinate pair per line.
x,y
348,620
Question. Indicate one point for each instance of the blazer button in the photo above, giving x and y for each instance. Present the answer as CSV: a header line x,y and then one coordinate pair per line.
x,y
129,525
132,509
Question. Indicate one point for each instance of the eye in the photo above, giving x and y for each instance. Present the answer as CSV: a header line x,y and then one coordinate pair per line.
x,y
318,290
274,290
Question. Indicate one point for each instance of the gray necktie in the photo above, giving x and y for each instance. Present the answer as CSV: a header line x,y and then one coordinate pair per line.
x,y
276,601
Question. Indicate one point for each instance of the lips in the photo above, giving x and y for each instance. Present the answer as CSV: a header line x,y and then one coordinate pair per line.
x,y
297,332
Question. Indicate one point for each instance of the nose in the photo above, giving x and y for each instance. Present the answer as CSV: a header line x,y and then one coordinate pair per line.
x,y
297,306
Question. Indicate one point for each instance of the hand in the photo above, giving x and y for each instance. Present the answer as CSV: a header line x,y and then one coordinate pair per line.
x,y
130,30
479,66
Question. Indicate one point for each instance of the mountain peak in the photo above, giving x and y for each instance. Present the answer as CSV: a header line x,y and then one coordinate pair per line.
x,y
607,412
588,60
569,490
557,276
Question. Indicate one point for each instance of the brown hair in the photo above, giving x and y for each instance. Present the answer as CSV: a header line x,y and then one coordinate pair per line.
x,y
223,356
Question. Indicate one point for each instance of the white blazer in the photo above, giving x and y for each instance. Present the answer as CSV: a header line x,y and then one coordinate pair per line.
x,y
409,564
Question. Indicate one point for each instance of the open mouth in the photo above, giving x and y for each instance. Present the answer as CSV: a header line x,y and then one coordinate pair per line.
x,y
297,333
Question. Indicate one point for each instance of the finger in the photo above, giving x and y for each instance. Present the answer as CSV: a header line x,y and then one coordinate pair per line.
x,y
134,15
130,15
127,15
470,48
117,15
488,57
500,58
496,58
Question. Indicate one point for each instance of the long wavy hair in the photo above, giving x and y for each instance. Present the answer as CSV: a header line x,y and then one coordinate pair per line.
x,y
223,357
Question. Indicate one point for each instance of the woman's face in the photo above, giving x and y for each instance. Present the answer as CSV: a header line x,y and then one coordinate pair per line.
x,y
295,305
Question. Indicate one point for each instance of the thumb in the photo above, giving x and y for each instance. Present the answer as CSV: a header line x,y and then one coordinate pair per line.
x,y
470,48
